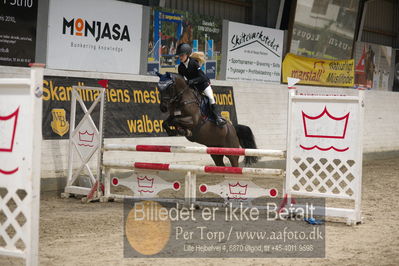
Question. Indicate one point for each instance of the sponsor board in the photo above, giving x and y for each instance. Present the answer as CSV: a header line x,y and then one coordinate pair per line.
x,y
169,28
373,65
132,107
324,29
85,35
338,73
254,53
18,21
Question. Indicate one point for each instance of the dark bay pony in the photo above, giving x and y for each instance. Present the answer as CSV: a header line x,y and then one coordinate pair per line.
x,y
183,104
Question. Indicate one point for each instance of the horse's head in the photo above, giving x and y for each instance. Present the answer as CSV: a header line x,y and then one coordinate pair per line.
x,y
171,87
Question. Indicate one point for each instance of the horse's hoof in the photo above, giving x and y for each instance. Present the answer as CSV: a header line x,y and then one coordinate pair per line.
x,y
221,124
181,132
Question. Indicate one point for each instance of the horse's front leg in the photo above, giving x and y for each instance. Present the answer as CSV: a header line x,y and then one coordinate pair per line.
x,y
183,124
166,125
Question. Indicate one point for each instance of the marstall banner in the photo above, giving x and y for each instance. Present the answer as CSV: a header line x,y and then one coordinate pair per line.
x,y
18,21
336,73
373,66
254,53
131,108
169,28
92,35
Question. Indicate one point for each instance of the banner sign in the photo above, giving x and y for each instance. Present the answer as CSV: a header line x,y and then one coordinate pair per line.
x,y
324,29
336,73
169,28
18,21
254,53
373,66
88,36
132,107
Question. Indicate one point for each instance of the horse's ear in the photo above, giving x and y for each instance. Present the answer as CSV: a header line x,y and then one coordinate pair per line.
x,y
158,74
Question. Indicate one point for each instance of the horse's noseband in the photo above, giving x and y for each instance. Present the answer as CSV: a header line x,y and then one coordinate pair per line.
x,y
163,85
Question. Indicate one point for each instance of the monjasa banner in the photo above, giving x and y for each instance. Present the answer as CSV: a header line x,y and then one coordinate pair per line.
x,y
131,110
92,36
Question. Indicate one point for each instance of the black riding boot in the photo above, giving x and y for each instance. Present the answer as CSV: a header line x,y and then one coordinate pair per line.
x,y
219,121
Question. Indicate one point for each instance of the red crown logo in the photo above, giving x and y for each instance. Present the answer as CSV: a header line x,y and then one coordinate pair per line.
x,y
238,189
320,126
8,127
145,182
86,136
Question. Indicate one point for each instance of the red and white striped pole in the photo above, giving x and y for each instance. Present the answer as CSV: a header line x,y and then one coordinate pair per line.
x,y
201,150
197,169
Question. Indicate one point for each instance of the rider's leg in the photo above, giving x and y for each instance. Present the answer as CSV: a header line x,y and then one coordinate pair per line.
x,y
209,93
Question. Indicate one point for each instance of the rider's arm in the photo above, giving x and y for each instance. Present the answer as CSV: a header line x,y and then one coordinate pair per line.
x,y
180,70
200,75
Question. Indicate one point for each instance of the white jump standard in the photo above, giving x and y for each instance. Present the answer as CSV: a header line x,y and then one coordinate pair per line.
x,y
20,154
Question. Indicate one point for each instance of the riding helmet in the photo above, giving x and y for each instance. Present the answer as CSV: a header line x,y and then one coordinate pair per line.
x,y
183,48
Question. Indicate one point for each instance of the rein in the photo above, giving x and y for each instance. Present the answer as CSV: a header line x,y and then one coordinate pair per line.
x,y
177,99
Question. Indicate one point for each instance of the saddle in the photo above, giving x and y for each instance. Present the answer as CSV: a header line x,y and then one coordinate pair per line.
x,y
205,108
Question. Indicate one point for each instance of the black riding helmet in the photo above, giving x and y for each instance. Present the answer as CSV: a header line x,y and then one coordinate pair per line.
x,y
183,48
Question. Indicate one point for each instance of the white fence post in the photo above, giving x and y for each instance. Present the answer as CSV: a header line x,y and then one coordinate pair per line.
x,y
20,164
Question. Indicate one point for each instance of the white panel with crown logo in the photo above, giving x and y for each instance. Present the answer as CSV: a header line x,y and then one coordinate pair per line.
x,y
145,185
326,129
324,153
14,151
236,190
86,139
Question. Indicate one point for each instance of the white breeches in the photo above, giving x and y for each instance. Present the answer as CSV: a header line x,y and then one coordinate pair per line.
x,y
209,93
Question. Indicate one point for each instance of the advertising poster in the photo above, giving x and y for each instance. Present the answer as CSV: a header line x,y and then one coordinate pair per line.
x,y
373,66
335,73
102,36
169,28
18,21
131,110
254,53
324,29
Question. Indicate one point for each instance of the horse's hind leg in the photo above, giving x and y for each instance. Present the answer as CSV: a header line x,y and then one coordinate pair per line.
x,y
218,159
233,160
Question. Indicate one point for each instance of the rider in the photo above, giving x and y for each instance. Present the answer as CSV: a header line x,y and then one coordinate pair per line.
x,y
191,70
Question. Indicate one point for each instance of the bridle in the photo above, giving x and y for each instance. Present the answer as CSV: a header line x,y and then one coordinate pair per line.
x,y
169,87
177,97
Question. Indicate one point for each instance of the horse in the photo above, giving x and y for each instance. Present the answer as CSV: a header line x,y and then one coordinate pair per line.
x,y
187,35
184,106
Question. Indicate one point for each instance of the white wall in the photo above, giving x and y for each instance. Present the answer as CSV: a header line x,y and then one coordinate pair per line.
x,y
263,107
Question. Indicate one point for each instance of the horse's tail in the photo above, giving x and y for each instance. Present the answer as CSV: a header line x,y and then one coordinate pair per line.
x,y
247,141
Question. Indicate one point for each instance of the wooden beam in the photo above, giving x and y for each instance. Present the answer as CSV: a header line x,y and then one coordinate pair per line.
x,y
381,32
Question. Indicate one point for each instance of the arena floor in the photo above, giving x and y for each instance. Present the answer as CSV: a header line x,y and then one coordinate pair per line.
x,y
72,233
